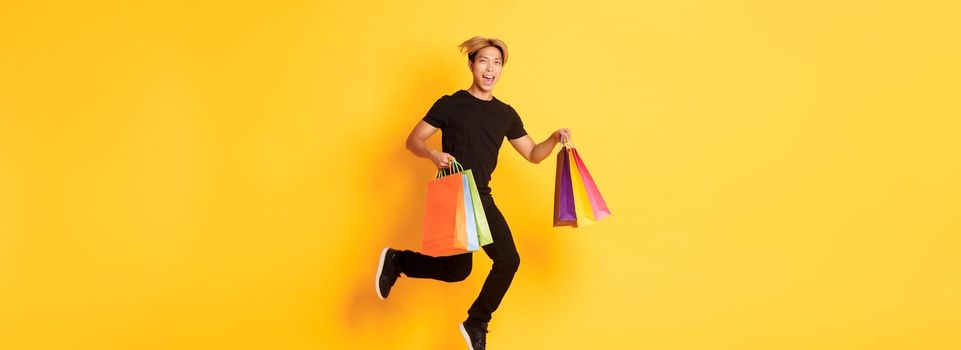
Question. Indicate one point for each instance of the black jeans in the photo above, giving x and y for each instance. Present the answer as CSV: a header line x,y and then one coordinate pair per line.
x,y
457,267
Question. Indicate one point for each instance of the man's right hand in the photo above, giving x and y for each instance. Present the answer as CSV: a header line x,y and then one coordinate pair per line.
x,y
441,160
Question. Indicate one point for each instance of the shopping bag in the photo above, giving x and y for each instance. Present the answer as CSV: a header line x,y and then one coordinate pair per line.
x,y
598,205
469,216
483,228
582,205
564,214
445,231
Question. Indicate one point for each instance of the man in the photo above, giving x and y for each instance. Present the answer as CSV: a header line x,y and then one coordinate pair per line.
x,y
474,125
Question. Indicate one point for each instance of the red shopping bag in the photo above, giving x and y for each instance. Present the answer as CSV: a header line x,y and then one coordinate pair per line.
x,y
598,205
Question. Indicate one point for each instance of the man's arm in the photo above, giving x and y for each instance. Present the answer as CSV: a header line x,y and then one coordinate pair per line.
x,y
535,153
417,144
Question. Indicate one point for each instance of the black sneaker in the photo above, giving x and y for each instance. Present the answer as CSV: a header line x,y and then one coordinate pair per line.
x,y
387,273
476,336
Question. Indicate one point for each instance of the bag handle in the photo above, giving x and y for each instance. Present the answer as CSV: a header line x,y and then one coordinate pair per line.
x,y
453,167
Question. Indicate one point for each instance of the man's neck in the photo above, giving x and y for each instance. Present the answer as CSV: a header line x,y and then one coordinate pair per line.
x,y
478,93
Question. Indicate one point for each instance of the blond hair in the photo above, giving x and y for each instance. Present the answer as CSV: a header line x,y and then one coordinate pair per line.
x,y
472,45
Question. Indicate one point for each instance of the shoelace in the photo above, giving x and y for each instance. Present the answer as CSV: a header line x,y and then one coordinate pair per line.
x,y
482,335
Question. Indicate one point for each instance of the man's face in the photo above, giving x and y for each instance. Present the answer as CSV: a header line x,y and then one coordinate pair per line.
x,y
486,67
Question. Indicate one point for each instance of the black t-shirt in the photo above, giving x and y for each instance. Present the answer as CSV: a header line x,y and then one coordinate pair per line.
x,y
473,130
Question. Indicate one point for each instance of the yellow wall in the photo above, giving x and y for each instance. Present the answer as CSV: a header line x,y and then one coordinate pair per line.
x,y
223,176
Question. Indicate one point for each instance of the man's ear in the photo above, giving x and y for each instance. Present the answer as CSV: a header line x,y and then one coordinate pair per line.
x,y
470,65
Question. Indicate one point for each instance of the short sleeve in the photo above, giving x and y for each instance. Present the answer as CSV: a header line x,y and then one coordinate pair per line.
x,y
517,126
437,115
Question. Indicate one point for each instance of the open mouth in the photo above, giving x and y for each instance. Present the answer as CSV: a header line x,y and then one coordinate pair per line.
x,y
488,78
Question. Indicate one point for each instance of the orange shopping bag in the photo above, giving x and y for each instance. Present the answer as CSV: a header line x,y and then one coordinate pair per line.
x,y
445,229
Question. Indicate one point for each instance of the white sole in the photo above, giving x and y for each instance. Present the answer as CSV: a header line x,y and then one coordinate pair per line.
x,y
463,332
380,270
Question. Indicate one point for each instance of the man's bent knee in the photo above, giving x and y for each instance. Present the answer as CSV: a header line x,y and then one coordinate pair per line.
x,y
508,264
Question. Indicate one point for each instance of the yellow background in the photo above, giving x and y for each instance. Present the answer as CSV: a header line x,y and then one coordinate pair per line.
x,y
176,175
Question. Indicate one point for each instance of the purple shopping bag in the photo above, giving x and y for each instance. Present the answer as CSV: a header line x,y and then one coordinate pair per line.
x,y
564,214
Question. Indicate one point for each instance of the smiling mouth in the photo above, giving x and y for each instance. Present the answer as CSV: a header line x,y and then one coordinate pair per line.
x,y
488,78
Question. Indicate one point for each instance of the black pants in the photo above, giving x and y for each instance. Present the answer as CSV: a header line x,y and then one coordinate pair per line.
x,y
457,267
